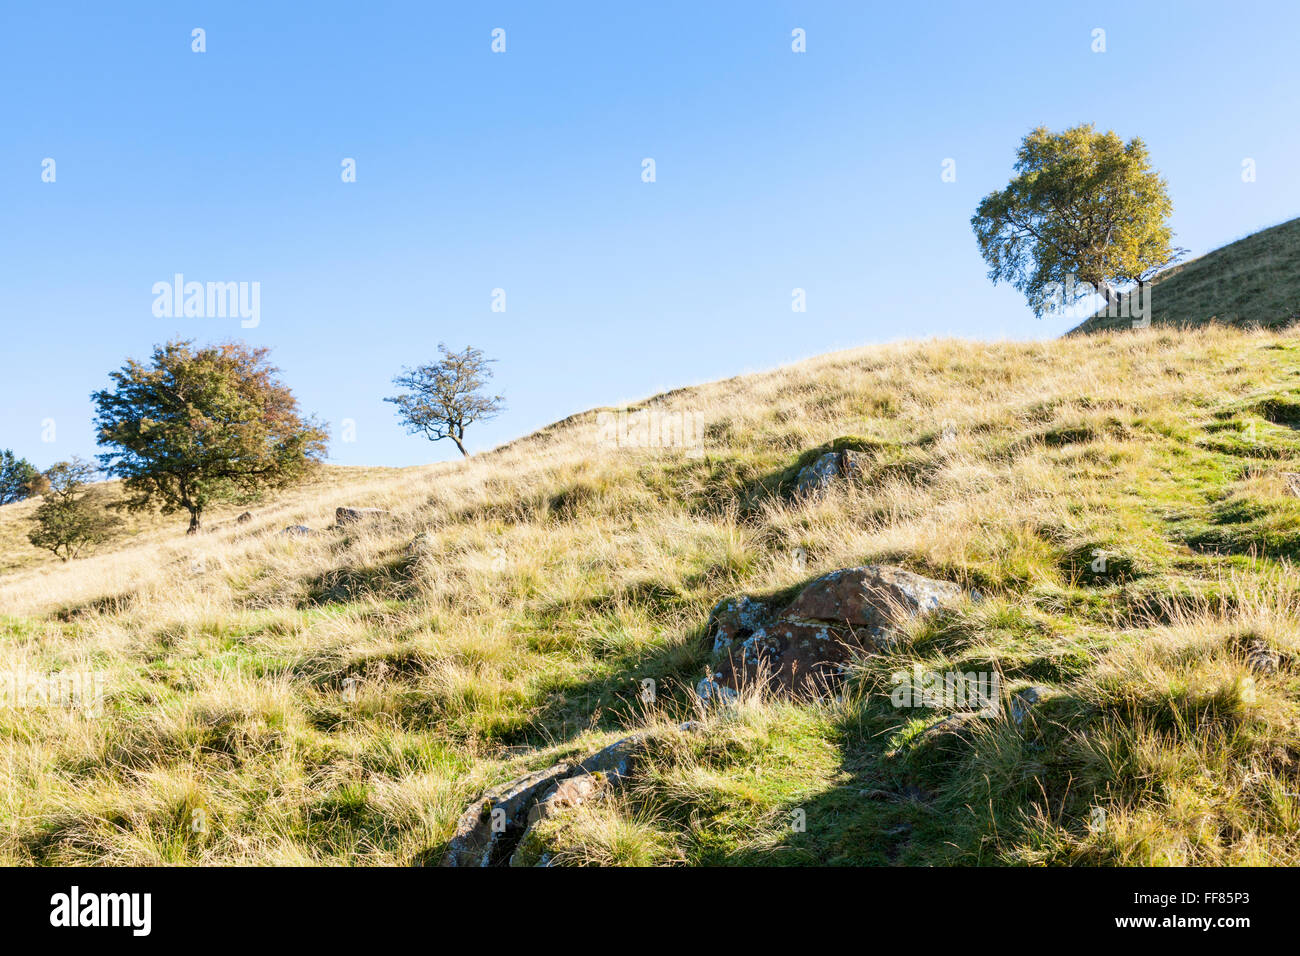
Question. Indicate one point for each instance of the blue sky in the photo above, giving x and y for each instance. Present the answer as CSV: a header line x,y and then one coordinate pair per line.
x,y
522,171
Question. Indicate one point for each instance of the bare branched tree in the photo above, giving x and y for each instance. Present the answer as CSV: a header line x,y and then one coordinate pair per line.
x,y
447,396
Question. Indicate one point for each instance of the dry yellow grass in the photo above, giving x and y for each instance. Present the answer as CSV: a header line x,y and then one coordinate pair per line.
x,y
1248,282
340,698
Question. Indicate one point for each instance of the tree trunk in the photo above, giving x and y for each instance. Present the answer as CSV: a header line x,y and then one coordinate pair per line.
x,y
460,446
195,522
1113,303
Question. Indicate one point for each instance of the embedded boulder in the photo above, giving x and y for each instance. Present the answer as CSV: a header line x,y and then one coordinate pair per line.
x,y
1026,700
949,733
803,646
493,826
419,545
344,516
1261,658
711,692
871,596
815,478
568,793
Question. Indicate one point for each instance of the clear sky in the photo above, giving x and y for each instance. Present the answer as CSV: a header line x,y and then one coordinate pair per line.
x,y
522,171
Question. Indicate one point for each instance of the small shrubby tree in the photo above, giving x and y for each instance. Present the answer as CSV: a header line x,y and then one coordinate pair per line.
x,y
19,478
1083,204
71,517
447,396
197,426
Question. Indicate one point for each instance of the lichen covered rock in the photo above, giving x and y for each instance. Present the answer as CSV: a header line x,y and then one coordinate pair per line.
x,y
815,478
489,832
804,645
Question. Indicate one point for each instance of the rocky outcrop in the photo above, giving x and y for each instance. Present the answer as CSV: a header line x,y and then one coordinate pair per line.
x,y
955,730
1024,701
346,516
419,545
816,478
1292,479
712,692
244,518
803,646
1261,658
298,531
569,793
950,732
490,830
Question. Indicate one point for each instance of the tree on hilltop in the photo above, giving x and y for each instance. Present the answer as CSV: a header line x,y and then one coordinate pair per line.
x,y
198,426
19,478
447,396
71,518
1084,207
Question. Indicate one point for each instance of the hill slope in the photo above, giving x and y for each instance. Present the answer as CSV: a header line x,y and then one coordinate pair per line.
x,y
343,697
138,528
1254,281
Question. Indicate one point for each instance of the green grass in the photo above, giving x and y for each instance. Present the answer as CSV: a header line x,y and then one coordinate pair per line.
x,y
341,699
1251,282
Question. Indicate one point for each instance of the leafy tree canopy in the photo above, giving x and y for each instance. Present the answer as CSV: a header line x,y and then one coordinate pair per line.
x,y
1083,204
196,426
70,519
19,478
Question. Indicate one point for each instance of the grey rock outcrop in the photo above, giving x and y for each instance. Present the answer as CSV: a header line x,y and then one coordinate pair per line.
x,y
419,545
346,516
490,830
816,478
1261,658
1026,700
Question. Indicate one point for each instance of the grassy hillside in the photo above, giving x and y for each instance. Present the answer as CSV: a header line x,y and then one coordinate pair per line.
x,y
341,698
1253,281
141,528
